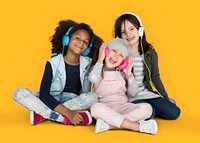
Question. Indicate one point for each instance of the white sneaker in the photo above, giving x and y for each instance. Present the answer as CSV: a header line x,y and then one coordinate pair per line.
x,y
101,126
149,126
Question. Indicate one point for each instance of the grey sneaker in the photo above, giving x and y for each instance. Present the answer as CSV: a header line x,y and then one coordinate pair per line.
x,y
101,126
149,126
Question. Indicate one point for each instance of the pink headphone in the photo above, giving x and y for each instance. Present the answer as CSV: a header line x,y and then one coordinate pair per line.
x,y
123,64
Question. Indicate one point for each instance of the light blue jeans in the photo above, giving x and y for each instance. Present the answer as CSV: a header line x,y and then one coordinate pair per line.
x,y
30,100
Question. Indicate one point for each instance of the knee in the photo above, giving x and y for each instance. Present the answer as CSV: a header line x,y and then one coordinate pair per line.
x,y
17,95
175,113
95,109
170,113
148,109
21,93
92,97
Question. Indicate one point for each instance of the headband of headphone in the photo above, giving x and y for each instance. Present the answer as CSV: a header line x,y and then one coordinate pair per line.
x,y
141,29
66,39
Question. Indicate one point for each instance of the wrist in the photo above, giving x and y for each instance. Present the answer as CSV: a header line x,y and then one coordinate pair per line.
x,y
129,74
100,60
63,110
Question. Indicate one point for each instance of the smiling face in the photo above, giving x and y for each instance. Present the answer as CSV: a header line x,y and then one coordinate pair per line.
x,y
113,59
79,42
130,33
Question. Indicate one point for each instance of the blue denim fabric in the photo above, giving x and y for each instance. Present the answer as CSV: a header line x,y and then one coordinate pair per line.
x,y
163,108
30,101
59,74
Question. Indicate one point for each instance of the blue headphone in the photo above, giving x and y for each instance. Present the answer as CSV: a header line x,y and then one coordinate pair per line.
x,y
66,38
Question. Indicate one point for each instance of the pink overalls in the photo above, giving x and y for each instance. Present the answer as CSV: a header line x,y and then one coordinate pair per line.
x,y
113,106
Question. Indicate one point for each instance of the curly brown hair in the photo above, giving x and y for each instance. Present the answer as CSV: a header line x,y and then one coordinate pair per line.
x,y
60,31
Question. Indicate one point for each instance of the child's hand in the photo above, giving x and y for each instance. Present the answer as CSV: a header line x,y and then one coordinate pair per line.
x,y
102,53
75,117
129,67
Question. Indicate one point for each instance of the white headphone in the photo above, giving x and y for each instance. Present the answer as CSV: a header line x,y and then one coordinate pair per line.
x,y
141,32
141,29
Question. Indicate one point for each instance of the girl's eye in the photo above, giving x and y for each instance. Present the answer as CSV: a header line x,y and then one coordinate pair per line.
x,y
86,43
117,52
80,40
114,51
77,38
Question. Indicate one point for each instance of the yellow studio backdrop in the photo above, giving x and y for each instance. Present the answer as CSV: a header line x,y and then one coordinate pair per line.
x,y
25,27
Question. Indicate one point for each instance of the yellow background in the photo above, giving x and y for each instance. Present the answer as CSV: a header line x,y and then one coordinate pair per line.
x,y
25,27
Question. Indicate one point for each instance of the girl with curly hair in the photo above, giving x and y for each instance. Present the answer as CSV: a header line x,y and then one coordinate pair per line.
x,y
64,94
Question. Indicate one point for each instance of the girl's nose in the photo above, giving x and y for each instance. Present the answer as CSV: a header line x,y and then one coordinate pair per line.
x,y
81,42
127,33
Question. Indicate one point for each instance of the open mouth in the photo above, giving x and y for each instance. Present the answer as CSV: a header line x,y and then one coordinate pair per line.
x,y
130,39
112,60
79,47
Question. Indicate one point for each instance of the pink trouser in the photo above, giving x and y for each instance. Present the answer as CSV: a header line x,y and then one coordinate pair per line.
x,y
114,113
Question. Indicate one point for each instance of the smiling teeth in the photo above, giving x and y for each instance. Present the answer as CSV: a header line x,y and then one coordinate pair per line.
x,y
113,59
129,39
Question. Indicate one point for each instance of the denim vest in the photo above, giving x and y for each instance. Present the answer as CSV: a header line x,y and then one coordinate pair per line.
x,y
59,74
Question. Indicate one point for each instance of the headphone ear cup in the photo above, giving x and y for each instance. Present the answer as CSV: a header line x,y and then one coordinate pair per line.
x,y
90,46
65,40
106,51
123,65
87,51
141,31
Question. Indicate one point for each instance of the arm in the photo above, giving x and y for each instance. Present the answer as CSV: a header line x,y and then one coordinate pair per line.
x,y
51,102
45,87
132,88
73,116
155,76
95,74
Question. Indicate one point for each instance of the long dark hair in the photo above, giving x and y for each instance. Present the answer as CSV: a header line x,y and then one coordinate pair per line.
x,y
132,19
